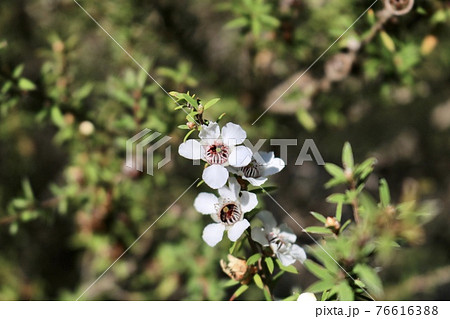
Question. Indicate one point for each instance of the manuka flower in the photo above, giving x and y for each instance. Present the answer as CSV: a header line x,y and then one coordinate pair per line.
x,y
227,211
262,165
280,239
219,149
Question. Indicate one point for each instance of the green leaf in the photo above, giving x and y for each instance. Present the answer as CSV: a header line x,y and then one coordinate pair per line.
x,y
345,225
253,259
258,281
18,71
57,117
183,127
369,277
27,189
339,212
365,168
26,85
294,297
291,268
320,286
211,103
190,100
236,23
240,291
230,283
319,217
188,134
347,156
335,171
267,295
317,270
345,292
318,230
306,120
385,196
387,41
270,264
336,198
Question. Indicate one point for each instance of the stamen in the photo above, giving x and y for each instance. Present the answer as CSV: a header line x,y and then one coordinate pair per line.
x,y
230,214
217,153
251,170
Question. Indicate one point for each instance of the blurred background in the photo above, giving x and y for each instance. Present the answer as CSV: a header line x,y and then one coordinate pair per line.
x,y
70,98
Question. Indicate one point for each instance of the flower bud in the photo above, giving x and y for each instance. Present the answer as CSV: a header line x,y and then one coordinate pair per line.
x,y
333,224
86,128
191,125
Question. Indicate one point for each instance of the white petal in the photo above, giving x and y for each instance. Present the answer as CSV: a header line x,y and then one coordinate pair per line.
x,y
232,191
259,235
268,220
240,156
287,234
273,167
255,181
215,176
191,149
213,233
210,132
286,260
248,201
307,297
205,203
238,229
298,253
265,156
233,134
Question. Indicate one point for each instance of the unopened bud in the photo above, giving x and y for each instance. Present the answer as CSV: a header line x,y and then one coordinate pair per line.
x,y
332,223
191,125
86,128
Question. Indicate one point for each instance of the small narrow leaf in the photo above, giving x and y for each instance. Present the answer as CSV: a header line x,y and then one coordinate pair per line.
x,y
319,217
253,259
387,41
317,230
345,292
339,212
258,281
385,196
270,264
26,85
239,291
347,156
320,286
211,103
317,270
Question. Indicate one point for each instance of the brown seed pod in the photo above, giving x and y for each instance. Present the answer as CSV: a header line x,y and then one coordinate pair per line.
x,y
399,7
237,269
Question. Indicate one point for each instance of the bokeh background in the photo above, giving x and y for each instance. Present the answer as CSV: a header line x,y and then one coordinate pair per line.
x,y
70,98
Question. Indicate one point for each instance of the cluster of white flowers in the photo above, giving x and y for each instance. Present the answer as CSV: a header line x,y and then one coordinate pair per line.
x,y
227,161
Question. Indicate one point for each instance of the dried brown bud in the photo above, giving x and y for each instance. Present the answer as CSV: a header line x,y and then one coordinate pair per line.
x,y
237,269
191,125
399,7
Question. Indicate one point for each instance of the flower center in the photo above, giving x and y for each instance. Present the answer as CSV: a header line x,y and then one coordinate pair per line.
x,y
276,243
217,153
230,214
251,170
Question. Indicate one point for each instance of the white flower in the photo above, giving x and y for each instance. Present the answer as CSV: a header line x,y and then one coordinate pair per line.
x,y
307,297
262,165
280,239
218,149
227,211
